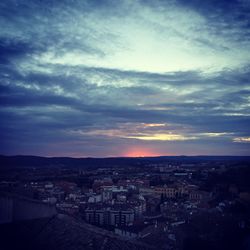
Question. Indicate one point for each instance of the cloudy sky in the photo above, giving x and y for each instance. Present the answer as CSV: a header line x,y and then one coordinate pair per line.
x,y
125,77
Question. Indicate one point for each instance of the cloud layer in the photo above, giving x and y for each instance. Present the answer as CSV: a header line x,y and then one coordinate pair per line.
x,y
110,78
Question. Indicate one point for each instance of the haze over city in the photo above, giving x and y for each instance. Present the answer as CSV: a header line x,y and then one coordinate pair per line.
x,y
124,78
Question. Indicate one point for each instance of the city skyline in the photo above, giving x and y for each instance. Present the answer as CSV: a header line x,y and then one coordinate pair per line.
x,y
125,78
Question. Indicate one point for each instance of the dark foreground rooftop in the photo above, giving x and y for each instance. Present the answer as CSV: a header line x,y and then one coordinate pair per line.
x,y
61,232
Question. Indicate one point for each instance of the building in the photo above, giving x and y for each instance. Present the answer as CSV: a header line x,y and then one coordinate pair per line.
x,y
16,208
171,192
113,215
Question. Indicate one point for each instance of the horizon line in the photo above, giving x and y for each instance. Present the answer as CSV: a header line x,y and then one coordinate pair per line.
x,y
113,157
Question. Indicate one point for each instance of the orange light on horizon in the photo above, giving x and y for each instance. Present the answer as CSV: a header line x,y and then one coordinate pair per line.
x,y
139,152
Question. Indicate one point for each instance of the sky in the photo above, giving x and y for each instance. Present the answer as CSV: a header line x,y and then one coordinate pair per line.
x,y
104,78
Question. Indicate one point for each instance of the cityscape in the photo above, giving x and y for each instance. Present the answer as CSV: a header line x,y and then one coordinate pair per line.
x,y
125,203
125,124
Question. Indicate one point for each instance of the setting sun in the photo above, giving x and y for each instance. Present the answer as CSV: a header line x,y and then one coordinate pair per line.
x,y
139,152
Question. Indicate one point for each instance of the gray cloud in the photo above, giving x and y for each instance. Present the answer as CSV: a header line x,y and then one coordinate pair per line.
x,y
51,106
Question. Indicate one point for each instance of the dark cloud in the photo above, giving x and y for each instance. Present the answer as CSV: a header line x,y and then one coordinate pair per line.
x,y
224,16
13,49
200,113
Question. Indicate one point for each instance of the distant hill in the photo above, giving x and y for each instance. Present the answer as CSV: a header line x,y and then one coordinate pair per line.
x,y
37,161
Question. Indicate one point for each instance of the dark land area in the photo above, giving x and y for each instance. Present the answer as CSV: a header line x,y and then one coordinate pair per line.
x,y
168,202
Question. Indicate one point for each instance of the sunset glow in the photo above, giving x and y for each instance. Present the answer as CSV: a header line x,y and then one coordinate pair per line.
x,y
162,137
140,152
